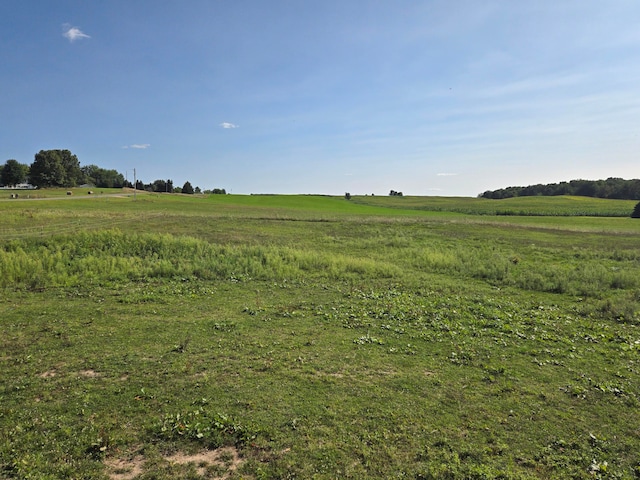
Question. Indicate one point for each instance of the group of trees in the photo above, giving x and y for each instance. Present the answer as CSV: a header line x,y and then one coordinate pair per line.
x,y
166,186
615,188
58,168
61,168
103,178
158,186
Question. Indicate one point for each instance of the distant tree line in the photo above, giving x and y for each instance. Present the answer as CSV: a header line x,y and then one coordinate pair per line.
x,y
103,178
166,186
216,191
615,188
61,168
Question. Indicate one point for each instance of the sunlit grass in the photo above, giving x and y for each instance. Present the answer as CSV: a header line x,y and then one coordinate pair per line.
x,y
318,337
517,206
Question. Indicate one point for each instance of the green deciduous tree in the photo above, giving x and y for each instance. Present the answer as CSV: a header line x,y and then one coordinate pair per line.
x,y
56,168
102,178
13,173
46,171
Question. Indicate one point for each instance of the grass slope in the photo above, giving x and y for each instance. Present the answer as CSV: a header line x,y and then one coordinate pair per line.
x,y
320,338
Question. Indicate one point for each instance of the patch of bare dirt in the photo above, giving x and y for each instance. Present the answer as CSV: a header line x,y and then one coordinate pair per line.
x,y
121,469
89,373
225,457
216,464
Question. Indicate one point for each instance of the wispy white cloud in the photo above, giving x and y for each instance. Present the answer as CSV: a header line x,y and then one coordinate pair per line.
x,y
447,174
138,146
228,125
73,33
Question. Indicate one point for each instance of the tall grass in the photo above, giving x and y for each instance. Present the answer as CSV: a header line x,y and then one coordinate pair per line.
x,y
112,255
99,257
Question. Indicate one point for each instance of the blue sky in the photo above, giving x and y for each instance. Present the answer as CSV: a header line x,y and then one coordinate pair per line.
x,y
433,97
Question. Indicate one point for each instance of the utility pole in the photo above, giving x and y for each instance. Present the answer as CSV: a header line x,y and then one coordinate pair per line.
x,y
135,184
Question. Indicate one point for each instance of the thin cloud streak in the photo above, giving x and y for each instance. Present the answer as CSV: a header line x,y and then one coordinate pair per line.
x,y
140,146
228,125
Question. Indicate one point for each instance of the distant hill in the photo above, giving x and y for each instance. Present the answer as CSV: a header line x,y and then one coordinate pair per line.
x,y
616,188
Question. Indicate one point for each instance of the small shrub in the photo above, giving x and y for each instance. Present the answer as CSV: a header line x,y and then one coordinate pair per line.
x,y
625,310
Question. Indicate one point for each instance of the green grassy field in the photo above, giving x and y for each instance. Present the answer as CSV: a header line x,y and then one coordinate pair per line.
x,y
527,206
269,337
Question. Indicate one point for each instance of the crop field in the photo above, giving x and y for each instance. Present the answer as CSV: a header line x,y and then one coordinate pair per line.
x,y
313,337
518,206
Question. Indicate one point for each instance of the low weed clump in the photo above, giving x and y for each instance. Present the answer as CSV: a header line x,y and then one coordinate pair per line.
x,y
312,345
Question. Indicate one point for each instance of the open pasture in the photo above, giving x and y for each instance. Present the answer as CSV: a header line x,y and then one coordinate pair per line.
x,y
269,337
524,206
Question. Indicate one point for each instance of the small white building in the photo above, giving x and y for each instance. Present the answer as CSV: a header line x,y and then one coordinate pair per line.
x,y
20,186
